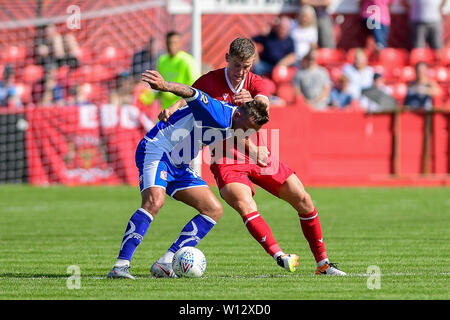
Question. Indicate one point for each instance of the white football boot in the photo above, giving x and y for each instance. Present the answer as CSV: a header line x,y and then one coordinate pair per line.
x,y
162,270
330,269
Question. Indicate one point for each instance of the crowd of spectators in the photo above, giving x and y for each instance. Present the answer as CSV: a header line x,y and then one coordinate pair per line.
x,y
356,83
290,42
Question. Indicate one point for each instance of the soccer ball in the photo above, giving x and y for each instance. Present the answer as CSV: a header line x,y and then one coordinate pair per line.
x,y
189,262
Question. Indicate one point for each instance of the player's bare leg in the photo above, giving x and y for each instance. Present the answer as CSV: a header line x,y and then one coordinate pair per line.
x,y
152,201
239,197
210,211
295,194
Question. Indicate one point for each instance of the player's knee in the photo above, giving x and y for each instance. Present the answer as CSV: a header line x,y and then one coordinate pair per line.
x,y
244,207
215,211
152,204
304,203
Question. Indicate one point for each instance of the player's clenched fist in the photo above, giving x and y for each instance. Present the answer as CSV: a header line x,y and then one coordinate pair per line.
x,y
154,79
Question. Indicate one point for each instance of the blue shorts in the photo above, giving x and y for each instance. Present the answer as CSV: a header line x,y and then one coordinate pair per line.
x,y
156,170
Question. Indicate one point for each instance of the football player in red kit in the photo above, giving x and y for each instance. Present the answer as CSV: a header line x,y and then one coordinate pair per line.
x,y
236,84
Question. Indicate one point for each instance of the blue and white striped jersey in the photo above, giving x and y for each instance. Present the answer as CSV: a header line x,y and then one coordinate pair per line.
x,y
201,122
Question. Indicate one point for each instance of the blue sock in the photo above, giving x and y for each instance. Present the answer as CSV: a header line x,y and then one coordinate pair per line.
x,y
135,232
193,232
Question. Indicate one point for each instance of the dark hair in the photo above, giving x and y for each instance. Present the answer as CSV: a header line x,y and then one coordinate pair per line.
x,y
242,48
257,111
171,34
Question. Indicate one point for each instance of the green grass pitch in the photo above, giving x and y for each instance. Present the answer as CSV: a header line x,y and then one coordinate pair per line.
x,y
402,231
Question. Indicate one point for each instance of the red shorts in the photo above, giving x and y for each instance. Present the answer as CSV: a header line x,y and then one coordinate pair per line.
x,y
270,178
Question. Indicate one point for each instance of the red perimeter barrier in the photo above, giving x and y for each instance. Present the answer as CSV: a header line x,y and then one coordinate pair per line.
x,y
348,148
91,145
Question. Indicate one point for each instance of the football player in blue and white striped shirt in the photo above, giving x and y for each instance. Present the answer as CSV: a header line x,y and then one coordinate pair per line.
x,y
163,158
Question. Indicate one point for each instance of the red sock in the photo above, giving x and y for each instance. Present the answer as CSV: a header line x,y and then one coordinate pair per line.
x,y
313,233
261,231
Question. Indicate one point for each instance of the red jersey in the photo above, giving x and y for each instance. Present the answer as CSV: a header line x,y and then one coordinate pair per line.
x,y
217,85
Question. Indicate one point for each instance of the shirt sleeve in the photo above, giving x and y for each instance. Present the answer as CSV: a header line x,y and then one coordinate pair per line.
x,y
258,87
210,112
201,83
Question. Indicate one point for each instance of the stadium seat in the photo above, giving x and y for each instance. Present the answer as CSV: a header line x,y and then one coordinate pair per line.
x,y
24,92
14,54
92,73
350,56
286,92
33,73
445,57
399,91
390,75
440,74
330,57
406,74
335,74
111,54
94,93
282,74
393,57
426,55
86,56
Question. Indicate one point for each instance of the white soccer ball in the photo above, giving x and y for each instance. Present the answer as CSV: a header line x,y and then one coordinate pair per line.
x,y
189,262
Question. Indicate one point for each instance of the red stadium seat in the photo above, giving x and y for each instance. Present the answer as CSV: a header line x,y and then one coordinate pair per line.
x,y
94,93
440,74
14,54
335,74
350,56
92,73
111,54
330,57
399,91
445,57
286,92
33,73
407,74
86,56
426,55
281,74
394,57
24,92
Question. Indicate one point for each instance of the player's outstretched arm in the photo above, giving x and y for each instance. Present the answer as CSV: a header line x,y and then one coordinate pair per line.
x,y
157,82
165,114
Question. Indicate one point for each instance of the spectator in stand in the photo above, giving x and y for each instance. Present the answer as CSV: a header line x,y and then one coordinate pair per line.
x,y
360,74
278,48
326,37
425,17
377,19
54,49
422,90
313,82
122,93
176,66
341,96
8,92
305,34
53,92
145,59
378,98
